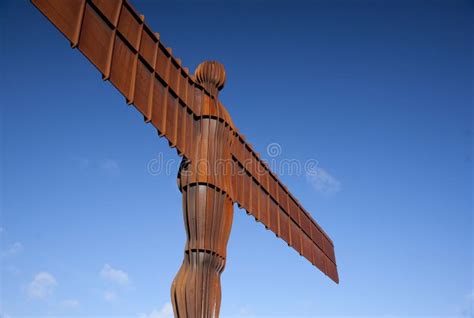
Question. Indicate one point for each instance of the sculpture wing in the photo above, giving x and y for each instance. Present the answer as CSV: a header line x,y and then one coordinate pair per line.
x,y
259,191
115,38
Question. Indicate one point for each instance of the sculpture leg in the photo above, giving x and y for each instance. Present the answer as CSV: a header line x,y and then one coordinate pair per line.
x,y
196,289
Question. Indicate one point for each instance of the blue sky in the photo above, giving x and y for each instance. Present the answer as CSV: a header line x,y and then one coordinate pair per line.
x,y
378,92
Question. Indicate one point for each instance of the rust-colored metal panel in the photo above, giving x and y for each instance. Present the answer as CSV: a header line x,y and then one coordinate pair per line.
x,y
158,113
255,193
274,217
331,270
240,187
162,62
246,191
65,15
328,249
198,95
305,223
284,226
283,198
213,107
307,247
319,259
248,159
251,162
212,151
143,88
234,179
201,217
189,140
173,76
293,208
171,116
190,95
295,236
183,86
205,105
209,219
256,168
264,205
123,65
129,26
237,150
148,47
264,176
109,8
197,132
317,236
203,153
181,129
96,40
272,187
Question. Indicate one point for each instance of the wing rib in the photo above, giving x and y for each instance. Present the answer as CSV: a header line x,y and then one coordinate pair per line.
x,y
261,193
118,42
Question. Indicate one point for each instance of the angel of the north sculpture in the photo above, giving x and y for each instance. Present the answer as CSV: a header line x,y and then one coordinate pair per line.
x,y
219,167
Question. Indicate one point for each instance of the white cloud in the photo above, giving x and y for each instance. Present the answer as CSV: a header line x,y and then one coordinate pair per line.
x,y
109,295
70,303
465,309
245,311
42,286
322,181
110,167
165,312
113,275
14,249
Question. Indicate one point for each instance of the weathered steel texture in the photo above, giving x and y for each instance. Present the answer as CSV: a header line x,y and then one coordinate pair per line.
x,y
208,215
258,190
219,165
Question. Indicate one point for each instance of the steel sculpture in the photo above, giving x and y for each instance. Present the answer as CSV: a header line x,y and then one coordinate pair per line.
x,y
219,166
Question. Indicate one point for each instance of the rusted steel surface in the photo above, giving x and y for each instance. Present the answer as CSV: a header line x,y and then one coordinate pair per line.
x,y
208,215
219,166
259,191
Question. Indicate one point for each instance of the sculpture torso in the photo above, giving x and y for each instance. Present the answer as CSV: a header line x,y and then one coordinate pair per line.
x,y
205,181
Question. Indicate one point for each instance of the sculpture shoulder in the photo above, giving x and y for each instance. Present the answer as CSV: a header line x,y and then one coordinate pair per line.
x,y
225,115
215,109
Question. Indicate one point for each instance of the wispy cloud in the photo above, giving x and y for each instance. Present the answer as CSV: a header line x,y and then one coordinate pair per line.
x,y
70,303
323,182
467,306
107,166
83,163
115,276
165,312
245,311
42,286
109,295
110,167
118,281
13,250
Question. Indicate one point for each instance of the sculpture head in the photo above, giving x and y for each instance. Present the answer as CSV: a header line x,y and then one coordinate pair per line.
x,y
211,75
